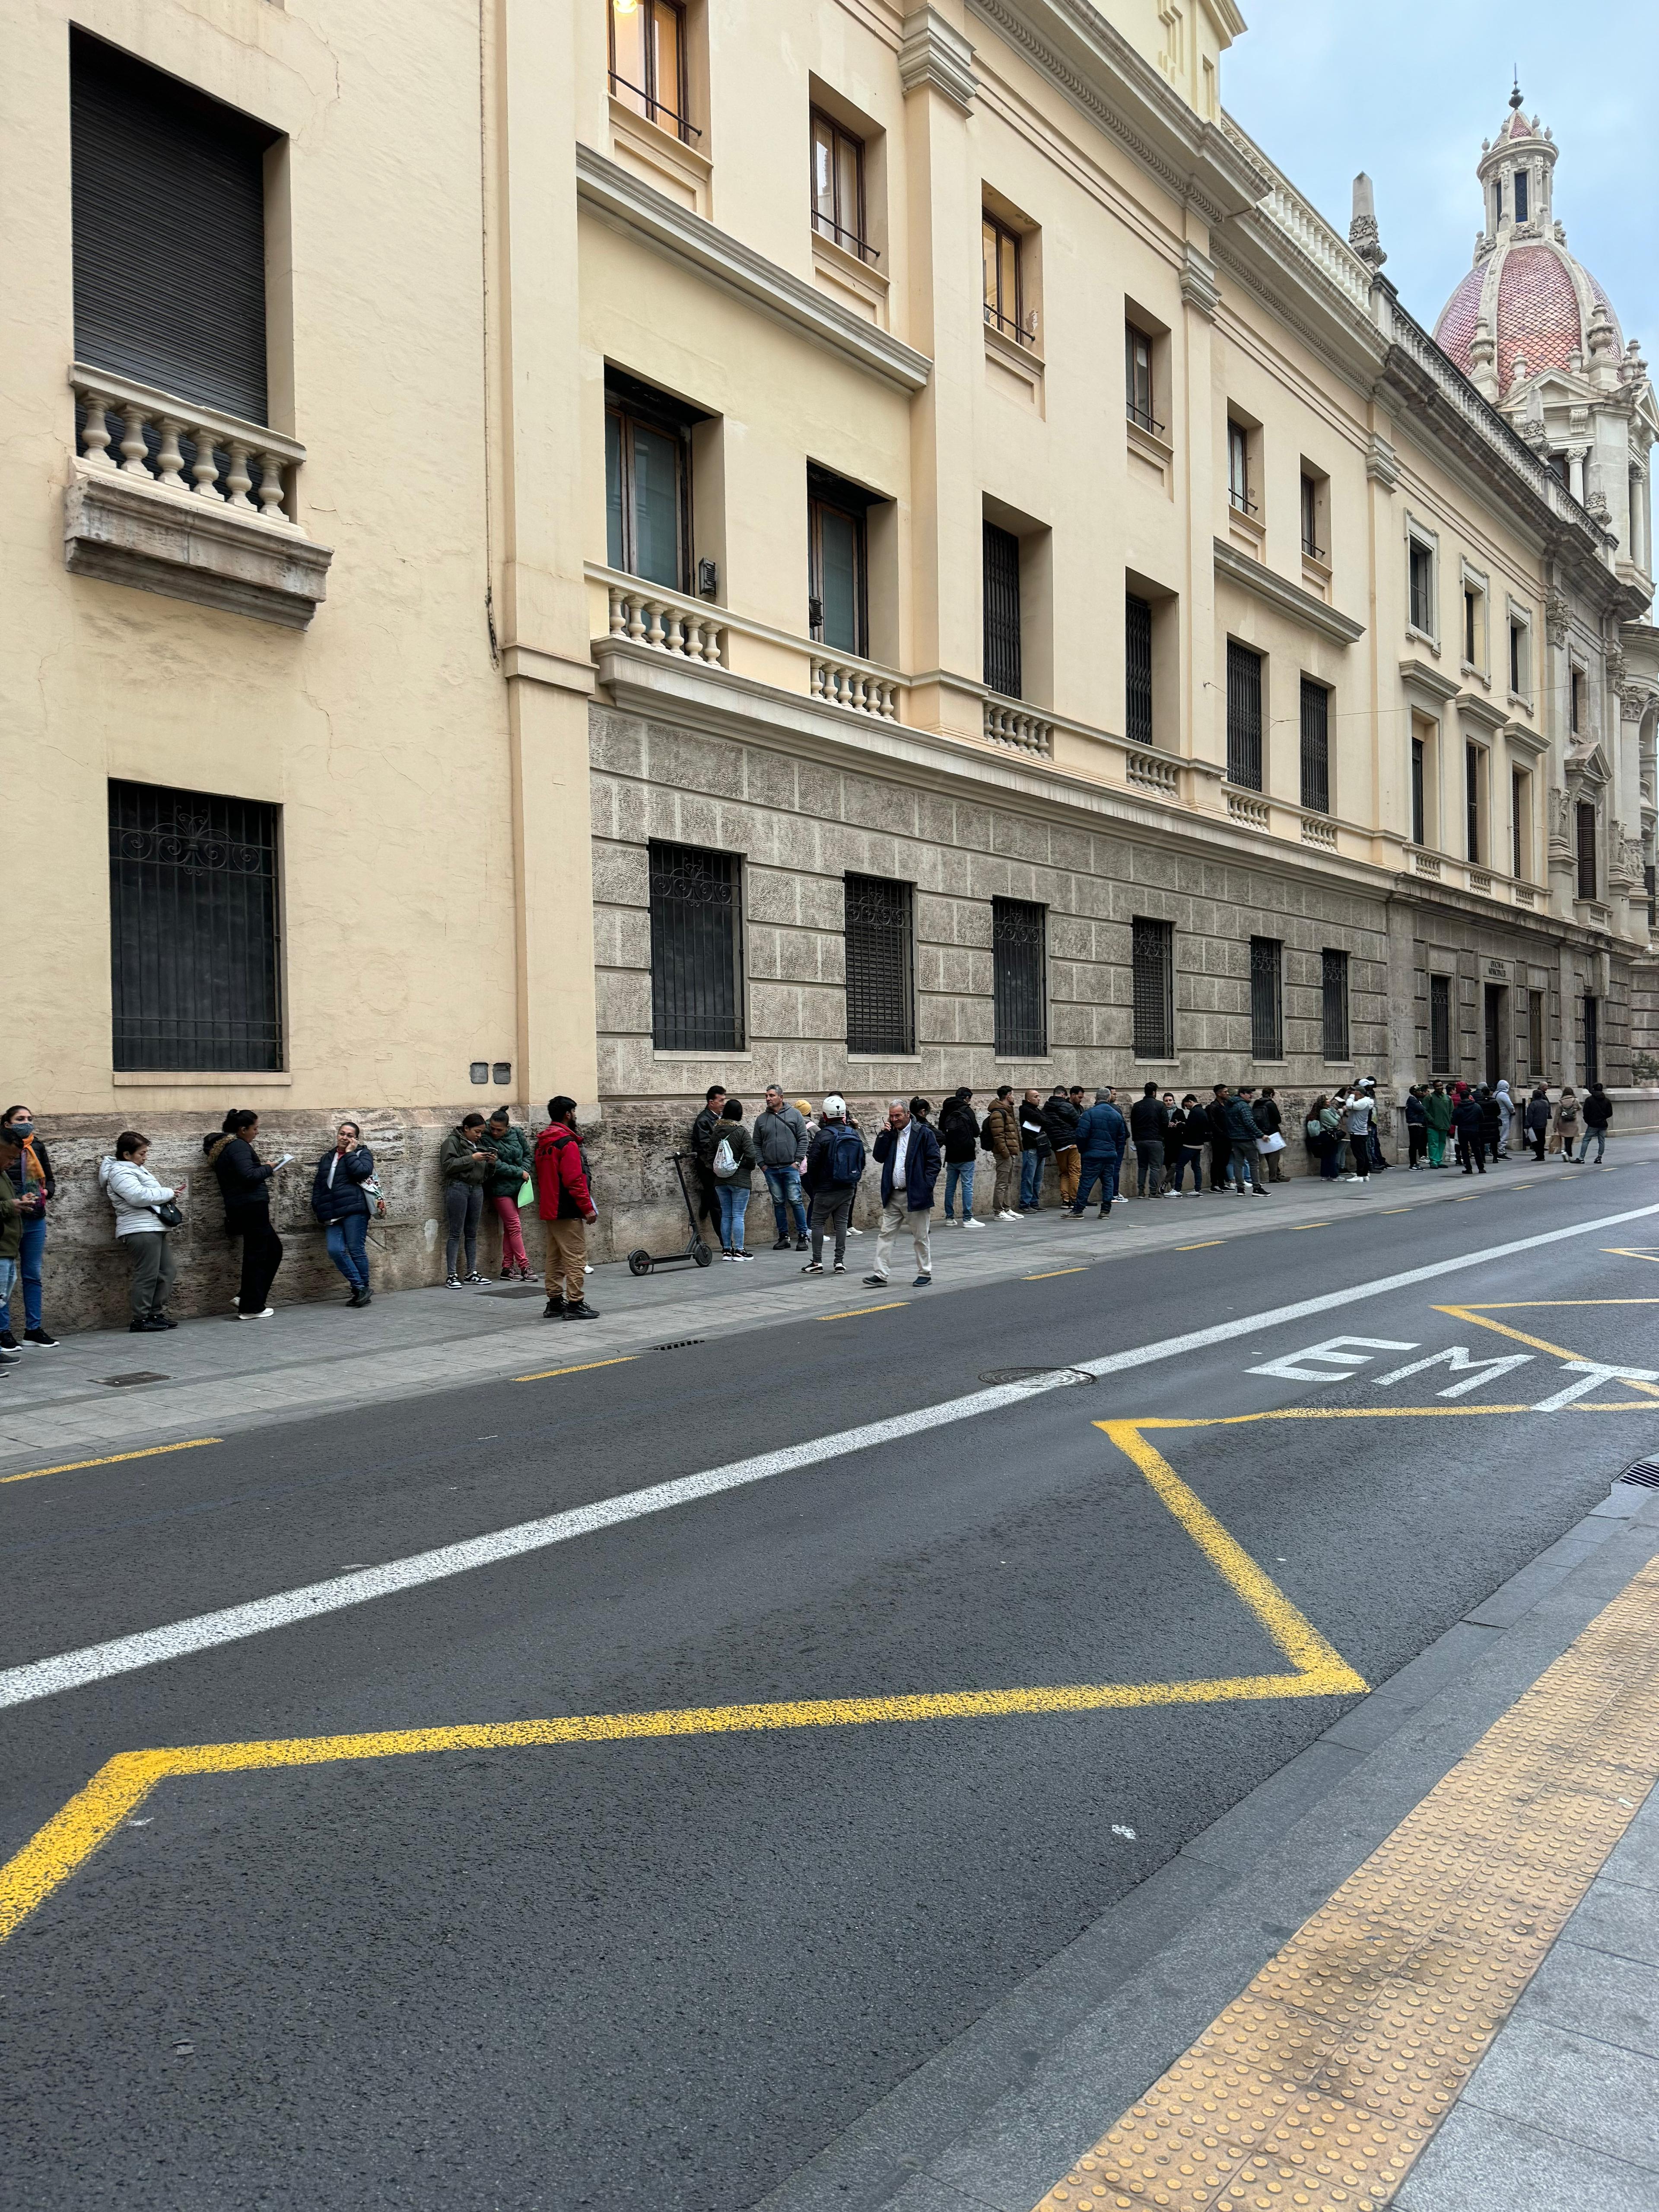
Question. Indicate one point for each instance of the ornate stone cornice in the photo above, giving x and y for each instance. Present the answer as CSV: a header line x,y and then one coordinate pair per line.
x,y
629,204
1097,70
934,53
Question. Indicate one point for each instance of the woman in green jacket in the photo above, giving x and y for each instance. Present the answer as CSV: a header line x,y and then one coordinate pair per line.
x,y
510,1149
1437,1109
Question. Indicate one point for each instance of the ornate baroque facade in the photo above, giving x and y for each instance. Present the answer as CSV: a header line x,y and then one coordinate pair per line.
x,y
903,555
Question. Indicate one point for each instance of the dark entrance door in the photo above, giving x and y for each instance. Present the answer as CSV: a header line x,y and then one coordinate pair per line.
x,y
1495,997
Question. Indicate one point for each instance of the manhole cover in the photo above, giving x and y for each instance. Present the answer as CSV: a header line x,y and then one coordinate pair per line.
x,y
1645,1474
1034,1374
680,1343
139,1375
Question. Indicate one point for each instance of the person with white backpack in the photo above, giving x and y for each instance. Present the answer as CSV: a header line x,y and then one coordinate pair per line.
x,y
734,1165
145,1209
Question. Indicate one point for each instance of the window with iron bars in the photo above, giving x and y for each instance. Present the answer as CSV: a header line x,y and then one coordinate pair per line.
x,y
1244,716
881,1016
1001,581
1153,959
1019,978
1315,747
1137,670
193,930
1266,999
1333,991
696,949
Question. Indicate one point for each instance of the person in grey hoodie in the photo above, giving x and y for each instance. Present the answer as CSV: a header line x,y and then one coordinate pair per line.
x,y
780,1147
135,1194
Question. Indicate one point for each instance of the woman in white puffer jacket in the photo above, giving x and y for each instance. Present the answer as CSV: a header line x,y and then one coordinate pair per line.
x,y
135,1194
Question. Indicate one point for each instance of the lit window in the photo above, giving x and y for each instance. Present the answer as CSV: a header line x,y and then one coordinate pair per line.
x,y
1004,306
838,187
647,62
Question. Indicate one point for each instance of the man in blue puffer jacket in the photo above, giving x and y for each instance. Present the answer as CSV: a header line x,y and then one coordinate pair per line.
x,y
1102,1134
909,1152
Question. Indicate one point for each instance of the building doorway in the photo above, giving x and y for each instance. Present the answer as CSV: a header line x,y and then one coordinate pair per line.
x,y
1495,995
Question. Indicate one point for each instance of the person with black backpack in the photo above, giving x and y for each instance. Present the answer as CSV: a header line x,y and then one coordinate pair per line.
x,y
959,1138
835,1162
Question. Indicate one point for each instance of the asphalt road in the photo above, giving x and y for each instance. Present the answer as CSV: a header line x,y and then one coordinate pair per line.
x,y
666,1971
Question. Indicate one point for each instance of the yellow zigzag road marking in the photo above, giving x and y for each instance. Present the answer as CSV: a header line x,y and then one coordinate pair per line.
x,y
121,1785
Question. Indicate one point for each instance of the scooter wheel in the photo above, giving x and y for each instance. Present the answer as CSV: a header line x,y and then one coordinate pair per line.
x,y
639,1263
701,1255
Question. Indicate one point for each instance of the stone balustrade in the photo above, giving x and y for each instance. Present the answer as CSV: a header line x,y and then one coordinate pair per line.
x,y
1480,881
1317,829
1147,772
244,467
1252,813
1426,864
645,614
1524,895
1021,731
845,683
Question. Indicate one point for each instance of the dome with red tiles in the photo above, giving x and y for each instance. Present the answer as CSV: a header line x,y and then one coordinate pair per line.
x,y
1536,304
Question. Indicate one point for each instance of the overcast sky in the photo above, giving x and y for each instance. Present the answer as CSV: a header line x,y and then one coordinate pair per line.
x,y
1407,91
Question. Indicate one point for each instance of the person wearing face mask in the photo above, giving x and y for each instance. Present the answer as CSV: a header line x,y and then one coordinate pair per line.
x,y
34,1185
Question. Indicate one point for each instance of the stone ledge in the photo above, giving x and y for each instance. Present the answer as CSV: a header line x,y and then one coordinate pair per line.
x,y
122,531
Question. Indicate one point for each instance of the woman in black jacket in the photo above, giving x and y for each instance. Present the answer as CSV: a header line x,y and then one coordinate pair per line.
x,y
958,1136
245,1185
1467,1124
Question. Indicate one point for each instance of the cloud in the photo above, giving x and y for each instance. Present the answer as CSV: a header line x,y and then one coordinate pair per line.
x,y
1409,92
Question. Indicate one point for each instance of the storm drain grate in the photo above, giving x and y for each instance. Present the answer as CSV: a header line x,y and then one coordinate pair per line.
x,y
139,1375
680,1343
1644,1475
1034,1374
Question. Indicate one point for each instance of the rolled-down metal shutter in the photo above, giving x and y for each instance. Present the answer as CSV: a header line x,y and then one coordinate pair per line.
x,y
169,225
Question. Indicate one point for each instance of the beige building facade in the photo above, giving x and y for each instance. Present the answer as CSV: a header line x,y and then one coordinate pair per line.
x,y
895,553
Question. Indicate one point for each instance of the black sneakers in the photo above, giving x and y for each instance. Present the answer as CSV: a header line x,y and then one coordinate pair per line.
x,y
580,1312
39,1338
554,1309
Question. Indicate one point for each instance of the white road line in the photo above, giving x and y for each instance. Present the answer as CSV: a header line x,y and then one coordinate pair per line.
x,y
96,1662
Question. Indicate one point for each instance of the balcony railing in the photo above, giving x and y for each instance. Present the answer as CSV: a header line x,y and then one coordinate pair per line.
x,y
182,448
1142,417
1148,772
1021,731
848,240
665,621
1010,327
843,683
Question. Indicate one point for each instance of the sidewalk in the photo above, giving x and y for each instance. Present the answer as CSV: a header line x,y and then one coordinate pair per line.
x,y
212,1376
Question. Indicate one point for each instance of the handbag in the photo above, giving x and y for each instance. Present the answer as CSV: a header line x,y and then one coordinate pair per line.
x,y
169,1215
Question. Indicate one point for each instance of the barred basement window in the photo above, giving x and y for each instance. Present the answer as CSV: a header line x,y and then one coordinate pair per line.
x,y
1440,1026
696,949
1266,999
1244,716
1019,978
1315,747
1138,664
1152,953
880,968
1334,981
193,971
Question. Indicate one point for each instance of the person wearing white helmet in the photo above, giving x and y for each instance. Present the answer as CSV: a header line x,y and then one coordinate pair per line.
x,y
834,1160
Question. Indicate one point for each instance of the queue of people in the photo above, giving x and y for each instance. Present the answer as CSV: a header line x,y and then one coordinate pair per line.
x,y
813,1165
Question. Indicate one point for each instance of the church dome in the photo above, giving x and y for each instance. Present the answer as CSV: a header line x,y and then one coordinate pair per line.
x,y
1532,300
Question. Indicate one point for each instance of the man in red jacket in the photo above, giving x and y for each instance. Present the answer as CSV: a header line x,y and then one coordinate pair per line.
x,y
565,1203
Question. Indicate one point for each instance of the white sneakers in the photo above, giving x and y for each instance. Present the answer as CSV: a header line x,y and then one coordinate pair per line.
x,y
265,1315
971,1223
1008,1214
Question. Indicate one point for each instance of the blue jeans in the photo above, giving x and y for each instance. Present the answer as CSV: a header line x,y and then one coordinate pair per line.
x,y
7,1277
348,1248
1191,1157
734,1204
1600,1135
960,1172
784,1183
1095,1168
27,1267
1030,1177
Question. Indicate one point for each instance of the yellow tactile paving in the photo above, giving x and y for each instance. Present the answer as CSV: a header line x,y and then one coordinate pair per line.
x,y
1318,2086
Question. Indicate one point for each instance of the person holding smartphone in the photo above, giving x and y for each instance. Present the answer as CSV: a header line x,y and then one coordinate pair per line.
x,y
245,1186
